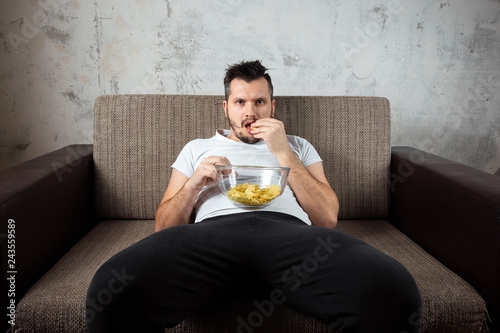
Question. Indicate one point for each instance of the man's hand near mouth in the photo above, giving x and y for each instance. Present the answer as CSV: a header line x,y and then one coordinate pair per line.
x,y
249,125
272,131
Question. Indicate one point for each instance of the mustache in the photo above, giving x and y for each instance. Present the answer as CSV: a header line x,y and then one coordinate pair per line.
x,y
247,120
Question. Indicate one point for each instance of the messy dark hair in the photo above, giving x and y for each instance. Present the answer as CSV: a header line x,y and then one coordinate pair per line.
x,y
246,71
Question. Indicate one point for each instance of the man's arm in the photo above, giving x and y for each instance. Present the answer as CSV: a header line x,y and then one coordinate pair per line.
x,y
180,196
312,191
177,203
309,185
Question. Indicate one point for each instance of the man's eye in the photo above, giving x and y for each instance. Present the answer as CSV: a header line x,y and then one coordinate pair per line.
x,y
260,102
239,102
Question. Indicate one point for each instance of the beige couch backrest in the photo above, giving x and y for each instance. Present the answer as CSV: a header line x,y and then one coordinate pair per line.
x,y
138,137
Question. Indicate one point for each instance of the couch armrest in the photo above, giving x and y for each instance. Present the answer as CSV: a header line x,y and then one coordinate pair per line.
x,y
49,201
453,212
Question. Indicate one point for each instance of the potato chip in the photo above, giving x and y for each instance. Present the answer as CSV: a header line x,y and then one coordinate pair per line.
x,y
252,194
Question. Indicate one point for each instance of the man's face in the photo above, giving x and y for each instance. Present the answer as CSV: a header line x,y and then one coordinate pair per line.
x,y
247,103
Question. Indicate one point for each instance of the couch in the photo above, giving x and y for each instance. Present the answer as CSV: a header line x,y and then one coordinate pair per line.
x,y
74,208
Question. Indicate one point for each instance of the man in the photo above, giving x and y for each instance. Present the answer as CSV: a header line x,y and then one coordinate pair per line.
x,y
288,249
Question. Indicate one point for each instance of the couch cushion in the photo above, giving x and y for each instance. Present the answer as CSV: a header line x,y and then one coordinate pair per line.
x,y
56,303
138,137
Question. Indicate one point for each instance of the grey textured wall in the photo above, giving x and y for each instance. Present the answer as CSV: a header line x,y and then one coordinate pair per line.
x,y
438,62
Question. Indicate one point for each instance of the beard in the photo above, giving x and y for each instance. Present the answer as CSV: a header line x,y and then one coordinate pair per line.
x,y
241,132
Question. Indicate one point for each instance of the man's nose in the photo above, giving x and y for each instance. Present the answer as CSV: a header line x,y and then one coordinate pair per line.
x,y
250,110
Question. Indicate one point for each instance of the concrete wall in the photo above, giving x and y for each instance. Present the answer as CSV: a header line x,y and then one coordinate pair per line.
x,y
438,62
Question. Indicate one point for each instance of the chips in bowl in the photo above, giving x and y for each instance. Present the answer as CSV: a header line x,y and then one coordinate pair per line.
x,y
252,194
251,187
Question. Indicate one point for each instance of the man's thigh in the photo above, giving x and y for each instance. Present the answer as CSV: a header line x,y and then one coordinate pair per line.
x,y
176,272
334,277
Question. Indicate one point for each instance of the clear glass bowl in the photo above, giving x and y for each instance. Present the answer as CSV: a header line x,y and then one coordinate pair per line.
x,y
251,187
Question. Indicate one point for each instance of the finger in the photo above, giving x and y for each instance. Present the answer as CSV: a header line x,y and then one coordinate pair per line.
x,y
266,125
265,122
225,161
213,160
210,163
255,130
208,172
222,161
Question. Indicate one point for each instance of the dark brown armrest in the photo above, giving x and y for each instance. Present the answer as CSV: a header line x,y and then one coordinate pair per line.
x,y
453,212
49,200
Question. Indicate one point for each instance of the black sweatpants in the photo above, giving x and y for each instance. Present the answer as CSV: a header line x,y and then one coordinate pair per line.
x,y
180,271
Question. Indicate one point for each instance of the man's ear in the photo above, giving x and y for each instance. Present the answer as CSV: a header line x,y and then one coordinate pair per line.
x,y
224,105
274,107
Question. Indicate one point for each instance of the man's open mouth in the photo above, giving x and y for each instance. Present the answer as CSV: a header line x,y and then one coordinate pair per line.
x,y
248,125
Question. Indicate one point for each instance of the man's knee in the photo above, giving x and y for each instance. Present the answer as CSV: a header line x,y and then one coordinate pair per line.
x,y
105,292
395,297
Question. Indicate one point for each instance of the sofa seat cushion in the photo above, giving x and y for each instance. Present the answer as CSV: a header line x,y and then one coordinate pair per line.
x,y
56,303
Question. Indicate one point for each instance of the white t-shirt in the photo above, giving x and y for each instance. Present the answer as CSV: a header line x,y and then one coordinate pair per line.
x,y
211,202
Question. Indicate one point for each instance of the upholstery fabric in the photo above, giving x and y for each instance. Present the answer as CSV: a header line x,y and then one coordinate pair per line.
x,y
137,138
39,194
472,207
56,303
